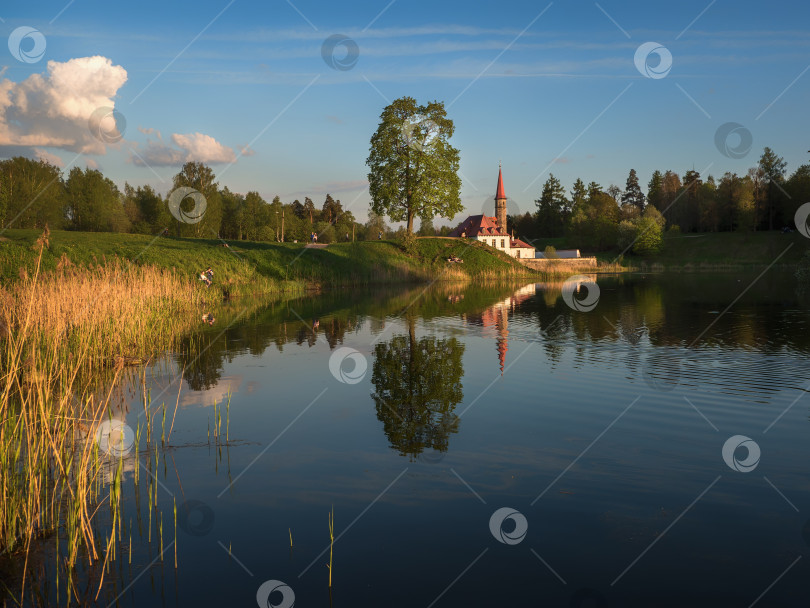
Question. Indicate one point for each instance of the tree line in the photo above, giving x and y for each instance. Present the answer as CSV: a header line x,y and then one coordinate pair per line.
x,y
34,193
766,198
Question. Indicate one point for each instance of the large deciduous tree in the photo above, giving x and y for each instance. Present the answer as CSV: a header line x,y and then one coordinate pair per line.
x,y
93,202
772,170
200,177
417,386
33,193
413,167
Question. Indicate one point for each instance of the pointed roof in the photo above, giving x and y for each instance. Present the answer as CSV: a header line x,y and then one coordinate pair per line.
x,y
499,194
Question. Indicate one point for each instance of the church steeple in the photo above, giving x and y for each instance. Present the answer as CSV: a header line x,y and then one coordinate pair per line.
x,y
500,203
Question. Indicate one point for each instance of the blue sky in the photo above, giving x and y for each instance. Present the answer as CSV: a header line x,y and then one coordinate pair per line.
x,y
543,87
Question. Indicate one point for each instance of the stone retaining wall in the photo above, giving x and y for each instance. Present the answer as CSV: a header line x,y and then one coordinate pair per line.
x,y
546,265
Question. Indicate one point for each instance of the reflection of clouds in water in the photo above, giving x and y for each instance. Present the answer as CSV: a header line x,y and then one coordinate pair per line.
x,y
216,394
110,467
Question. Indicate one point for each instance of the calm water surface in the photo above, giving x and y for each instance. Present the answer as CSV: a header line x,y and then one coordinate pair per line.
x,y
418,414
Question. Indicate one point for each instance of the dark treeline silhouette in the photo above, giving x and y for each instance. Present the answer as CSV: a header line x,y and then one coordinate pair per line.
x,y
35,193
766,198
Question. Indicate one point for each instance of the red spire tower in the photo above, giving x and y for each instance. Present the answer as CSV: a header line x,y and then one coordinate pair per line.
x,y
500,203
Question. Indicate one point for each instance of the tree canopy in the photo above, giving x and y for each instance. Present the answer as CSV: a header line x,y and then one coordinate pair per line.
x,y
413,167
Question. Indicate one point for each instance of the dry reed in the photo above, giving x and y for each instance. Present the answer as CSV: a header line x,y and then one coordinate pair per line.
x,y
58,332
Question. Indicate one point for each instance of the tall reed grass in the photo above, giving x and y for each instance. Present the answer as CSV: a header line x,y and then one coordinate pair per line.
x,y
57,332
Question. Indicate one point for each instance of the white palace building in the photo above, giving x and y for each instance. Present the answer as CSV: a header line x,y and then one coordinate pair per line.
x,y
491,230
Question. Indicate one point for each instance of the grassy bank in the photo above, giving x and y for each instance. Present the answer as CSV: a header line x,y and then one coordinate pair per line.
x,y
246,267
707,251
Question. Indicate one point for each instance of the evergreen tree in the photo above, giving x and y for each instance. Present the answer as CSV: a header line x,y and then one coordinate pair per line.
x,y
654,189
632,192
331,209
579,193
309,208
552,208
299,210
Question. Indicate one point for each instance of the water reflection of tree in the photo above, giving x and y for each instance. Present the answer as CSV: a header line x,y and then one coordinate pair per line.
x,y
417,387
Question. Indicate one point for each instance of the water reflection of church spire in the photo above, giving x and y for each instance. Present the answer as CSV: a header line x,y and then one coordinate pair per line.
x,y
495,320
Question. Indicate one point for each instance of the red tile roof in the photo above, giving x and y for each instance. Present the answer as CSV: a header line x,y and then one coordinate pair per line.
x,y
476,225
519,243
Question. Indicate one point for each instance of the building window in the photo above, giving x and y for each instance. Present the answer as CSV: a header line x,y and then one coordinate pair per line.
x,y
502,245
518,253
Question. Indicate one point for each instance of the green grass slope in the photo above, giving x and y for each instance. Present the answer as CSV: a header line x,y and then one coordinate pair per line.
x,y
708,249
256,267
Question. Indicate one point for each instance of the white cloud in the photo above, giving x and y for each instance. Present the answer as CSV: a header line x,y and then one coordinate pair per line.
x,y
53,109
184,148
90,163
150,131
48,157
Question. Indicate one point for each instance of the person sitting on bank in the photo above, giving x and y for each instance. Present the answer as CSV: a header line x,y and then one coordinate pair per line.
x,y
210,274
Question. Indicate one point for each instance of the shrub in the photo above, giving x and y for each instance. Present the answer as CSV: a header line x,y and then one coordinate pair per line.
x,y
550,252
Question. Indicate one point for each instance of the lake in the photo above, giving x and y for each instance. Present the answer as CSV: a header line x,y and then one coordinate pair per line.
x,y
643,442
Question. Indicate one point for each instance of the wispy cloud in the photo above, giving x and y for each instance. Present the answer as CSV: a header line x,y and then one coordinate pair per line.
x,y
184,148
